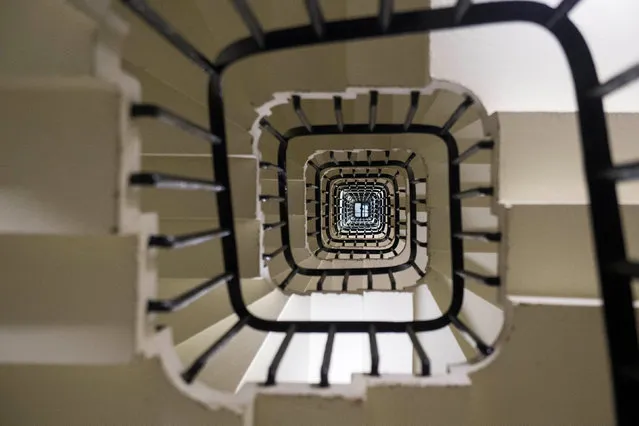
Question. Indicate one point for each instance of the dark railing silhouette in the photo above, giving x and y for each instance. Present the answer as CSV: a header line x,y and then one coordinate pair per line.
x,y
373,200
289,136
615,270
391,209
371,244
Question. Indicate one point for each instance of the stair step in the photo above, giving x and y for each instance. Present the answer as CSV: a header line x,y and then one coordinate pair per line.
x,y
206,259
207,310
64,44
444,106
226,367
66,271
147,50
200,204
520,162
157,137
69,124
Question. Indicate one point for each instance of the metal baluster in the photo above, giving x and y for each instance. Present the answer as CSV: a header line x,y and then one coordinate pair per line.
x,y
419,349
410,115
188,297
372,339
326,362
275,364
251,22
194,369
297,106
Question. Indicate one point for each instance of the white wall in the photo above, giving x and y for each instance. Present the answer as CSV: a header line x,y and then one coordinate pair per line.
x,y
520,67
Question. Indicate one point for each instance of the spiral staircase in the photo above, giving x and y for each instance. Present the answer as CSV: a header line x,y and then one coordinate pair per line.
x,y
333,233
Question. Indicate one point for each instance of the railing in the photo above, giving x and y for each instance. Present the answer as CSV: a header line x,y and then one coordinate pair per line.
x,y
358,209
323,227
615,269
364,238
341,236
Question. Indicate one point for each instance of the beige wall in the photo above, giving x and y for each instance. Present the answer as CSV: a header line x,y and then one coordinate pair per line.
x,y
135,394
540,157
551,250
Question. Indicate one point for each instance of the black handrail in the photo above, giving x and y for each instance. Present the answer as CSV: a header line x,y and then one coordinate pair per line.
x,y
605,216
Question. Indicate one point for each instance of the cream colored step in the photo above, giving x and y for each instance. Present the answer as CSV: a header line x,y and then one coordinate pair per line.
x,y
551,251
66,156
471,176
408,277
63,45
486,264
298,283
479,219
101,391
205,311
296,197
356,283
481,310
268,147
321,112
310,262
309,145
224,371
360,262
272,238
397,61
434,152
361,107
209,28
64,302
283,117
335,283
206,259
212,28
443,106
268,151
439,237
320,68
476,131
200,204
527,170
147,50
279,265
158,138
